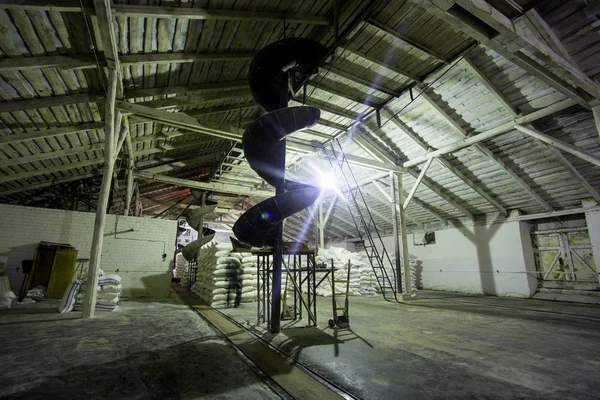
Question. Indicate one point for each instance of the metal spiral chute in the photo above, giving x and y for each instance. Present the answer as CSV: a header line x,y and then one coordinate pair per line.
x,y
195,219
264,140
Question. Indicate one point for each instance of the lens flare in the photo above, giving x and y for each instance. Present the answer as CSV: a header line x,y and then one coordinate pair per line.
x,y
327,181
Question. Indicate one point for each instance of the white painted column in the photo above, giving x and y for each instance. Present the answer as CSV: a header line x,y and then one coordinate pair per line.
x,y
593,223
321,224
404,240
89,304
130,168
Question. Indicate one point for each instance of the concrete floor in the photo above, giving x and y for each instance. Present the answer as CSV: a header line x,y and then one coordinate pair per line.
x,y
442,346
143,350
451,346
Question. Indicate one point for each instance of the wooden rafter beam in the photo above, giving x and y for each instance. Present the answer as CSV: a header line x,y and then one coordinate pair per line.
x,y
221,109
213,94
127,10
210,186
51,132
216,14
484,150
489,86
71,62
437,189
183,121
569,148
413,43
379,151
574,171
187,89
540,25
479,20
499,130
372,85
364,99
385,65
42,185
99,147
444,162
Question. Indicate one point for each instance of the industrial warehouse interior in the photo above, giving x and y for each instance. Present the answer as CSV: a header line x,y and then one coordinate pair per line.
x,y
244,199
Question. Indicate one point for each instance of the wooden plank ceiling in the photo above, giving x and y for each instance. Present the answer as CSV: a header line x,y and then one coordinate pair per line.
x,y
415,77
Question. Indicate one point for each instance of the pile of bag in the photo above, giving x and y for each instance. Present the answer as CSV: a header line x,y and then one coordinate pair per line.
x,y
224,277
363,280
109,291
182,269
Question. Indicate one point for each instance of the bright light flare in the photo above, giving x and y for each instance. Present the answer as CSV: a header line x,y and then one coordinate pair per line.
x,y
327,181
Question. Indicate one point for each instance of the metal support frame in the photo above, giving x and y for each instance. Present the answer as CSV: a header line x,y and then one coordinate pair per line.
x,y
301,271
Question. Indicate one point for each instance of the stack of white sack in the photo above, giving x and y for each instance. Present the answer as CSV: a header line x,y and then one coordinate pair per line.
x,y
108,293
340,258
225,277
414,264
363,280
182,270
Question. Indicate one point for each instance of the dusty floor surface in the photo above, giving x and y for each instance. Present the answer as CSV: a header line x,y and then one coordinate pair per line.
x,y
451,346
143,350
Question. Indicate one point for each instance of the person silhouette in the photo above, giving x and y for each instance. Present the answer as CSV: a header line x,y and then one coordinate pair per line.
x,y
235,286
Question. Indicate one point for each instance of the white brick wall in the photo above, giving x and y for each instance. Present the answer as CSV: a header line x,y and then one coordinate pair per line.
x,y
136,255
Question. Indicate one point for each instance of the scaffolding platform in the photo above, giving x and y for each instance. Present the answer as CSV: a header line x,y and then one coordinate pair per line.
x,y
301,270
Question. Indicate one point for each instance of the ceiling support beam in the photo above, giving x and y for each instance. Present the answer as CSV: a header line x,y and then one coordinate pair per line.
x,y
209,186
364,100
221,109
72,62
417,183
386,195
171,102
508,106
444,162
569,148
378,152
87,7
541,26
51,132
596,112
97,147
484,150
130,170
435,188
78,177
385,65
183,121
499,130
408,41
509,43
489,86
372,85
216,14
582,180
111,118
188,89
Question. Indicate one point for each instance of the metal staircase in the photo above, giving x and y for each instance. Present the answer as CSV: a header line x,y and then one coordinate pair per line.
x,y
387,278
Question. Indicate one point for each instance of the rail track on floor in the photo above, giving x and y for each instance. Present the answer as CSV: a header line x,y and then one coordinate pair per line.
x,y
285,375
